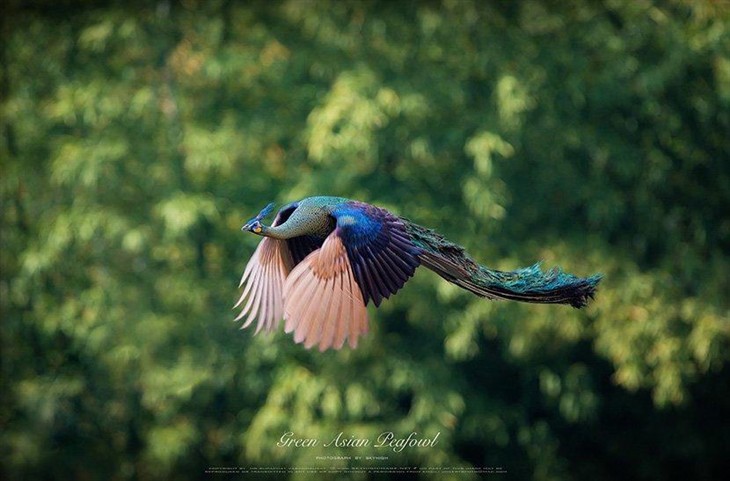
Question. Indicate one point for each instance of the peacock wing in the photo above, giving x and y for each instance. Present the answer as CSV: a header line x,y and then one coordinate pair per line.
x,y
323,304
263,280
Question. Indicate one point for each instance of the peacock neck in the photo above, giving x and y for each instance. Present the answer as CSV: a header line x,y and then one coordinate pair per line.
x,y
281,232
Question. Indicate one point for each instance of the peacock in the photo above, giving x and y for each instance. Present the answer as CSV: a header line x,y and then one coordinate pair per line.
x,y
323,259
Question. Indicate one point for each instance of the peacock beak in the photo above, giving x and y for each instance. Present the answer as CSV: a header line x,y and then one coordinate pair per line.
x,y
252,226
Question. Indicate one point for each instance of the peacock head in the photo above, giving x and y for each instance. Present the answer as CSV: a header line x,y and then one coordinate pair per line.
x,y
254,225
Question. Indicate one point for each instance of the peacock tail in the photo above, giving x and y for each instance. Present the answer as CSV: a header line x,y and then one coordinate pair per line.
x,y
529,284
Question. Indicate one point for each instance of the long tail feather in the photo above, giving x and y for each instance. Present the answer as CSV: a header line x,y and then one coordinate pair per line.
x,y
529,284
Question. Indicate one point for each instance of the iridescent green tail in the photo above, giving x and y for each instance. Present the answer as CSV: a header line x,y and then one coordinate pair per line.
x,y
529,284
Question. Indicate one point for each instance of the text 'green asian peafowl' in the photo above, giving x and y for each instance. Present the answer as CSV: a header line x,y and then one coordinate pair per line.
x,y
325,258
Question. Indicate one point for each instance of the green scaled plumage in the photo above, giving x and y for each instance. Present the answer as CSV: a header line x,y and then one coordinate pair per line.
x,y
529,284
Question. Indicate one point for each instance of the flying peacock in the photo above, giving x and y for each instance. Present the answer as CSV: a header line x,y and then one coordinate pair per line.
x,y
324,259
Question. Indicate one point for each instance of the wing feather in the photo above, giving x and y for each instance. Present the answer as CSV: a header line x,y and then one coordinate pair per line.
x,y
324,307
266,297
309,321
252,291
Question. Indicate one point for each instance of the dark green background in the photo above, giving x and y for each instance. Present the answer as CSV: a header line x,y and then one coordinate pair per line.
x,y
136,140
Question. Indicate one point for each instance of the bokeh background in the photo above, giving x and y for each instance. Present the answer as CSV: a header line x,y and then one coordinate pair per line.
x,y
137,139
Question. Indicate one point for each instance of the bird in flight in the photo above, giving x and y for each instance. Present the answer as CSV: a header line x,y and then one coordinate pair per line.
x,y
323,259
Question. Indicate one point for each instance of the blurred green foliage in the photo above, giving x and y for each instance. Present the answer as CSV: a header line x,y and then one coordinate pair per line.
x,y
593,135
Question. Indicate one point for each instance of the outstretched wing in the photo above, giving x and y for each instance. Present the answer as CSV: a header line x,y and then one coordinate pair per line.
x,y
264,284
264,278
322,302
369,255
